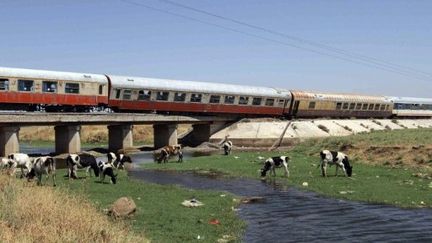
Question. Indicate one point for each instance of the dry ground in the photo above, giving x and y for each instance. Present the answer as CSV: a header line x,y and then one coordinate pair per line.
x,y
30,213
92,134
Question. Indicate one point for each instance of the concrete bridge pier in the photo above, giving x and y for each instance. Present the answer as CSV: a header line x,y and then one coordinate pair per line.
x,y
120,137
67,139
9,140
164,134
202,132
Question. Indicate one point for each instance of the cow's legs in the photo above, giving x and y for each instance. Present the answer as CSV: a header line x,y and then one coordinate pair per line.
x,y
324,169
286,169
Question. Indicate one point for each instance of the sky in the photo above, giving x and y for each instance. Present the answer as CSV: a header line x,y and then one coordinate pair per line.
x,y
130,37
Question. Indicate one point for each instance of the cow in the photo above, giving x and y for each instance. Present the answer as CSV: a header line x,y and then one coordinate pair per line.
x,y
273,163
106,169
4,163
83,161
168,151
43,165
118,160
227,146
19,160
335,158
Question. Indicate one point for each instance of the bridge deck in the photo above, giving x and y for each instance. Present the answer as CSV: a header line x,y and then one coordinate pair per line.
x,y
44,119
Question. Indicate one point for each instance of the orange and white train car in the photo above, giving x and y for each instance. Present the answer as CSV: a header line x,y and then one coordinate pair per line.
x,y
30,90
175,96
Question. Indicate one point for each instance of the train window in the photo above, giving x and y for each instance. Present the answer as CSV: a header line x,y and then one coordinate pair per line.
x,y
269,102
345,106
358,106
25,85
229,99
312,105
127,93
72,88
4,84
144,95
351,106
377,106
365,106
162,95
281,102
382,108
215,99
180,97
49,86
371,107
338,105
256,101
100,89
387,107
243,100
118,91
196,98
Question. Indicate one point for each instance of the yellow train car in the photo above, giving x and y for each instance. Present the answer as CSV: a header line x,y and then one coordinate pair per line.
x,y
317,104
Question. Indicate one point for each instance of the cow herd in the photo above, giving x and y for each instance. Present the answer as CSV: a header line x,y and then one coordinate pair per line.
x,y
36,167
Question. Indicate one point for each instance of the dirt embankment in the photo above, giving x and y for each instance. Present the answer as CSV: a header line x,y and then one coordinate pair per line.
x,y
411,155
91,134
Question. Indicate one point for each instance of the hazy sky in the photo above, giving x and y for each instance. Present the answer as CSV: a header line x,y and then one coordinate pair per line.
x,y
117,37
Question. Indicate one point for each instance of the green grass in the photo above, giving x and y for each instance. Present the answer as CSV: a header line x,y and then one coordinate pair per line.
x,y
375,184
160,215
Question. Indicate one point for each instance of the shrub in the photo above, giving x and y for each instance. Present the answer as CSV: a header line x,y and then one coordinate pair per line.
x,y
324,128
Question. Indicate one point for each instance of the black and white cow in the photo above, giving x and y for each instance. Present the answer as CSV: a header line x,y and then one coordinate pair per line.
x,y
227,146
19,160
335,158
45,165
275,162
118,160
83,161
106,169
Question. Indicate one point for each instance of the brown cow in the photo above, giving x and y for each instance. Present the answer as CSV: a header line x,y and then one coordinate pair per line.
x,y
168,151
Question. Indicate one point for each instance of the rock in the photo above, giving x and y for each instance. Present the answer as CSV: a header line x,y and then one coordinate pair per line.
x,y
305,184
192,203
123,207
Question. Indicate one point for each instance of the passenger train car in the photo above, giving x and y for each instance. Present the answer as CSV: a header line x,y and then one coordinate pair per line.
x,y
174,96
411,107
27,89
318,104
31,90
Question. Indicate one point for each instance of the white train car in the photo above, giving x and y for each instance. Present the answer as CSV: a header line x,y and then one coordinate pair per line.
x,y
411,107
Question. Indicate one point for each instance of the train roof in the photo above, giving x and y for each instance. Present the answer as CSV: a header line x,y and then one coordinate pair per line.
x,y
196,87
338,97
51,75
410,100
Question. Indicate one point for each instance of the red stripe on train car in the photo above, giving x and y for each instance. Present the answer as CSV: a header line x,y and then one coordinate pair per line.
x,y
51,99
195,107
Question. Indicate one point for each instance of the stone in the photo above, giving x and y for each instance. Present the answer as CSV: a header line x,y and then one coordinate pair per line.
x,y
123,207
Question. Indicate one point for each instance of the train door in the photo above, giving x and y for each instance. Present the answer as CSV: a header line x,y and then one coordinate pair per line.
x,y
295,108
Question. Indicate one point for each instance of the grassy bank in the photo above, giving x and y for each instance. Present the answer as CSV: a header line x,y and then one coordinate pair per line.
x,y
160,214
42,214
405,184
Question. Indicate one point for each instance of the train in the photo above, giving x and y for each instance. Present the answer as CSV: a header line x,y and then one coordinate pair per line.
x,y
52,91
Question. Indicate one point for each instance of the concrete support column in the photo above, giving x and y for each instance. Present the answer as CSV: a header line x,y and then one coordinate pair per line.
x,y
120,137
200,133
67,139
164,134
9,140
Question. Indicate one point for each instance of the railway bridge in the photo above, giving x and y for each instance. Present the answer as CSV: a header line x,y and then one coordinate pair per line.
x,y
120,128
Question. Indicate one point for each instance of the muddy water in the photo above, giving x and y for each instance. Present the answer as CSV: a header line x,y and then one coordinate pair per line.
x,y
291,215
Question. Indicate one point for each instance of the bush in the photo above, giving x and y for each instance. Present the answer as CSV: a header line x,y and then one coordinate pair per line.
x,y
324,128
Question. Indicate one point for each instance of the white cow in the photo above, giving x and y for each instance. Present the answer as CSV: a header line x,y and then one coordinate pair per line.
x,y
19,160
